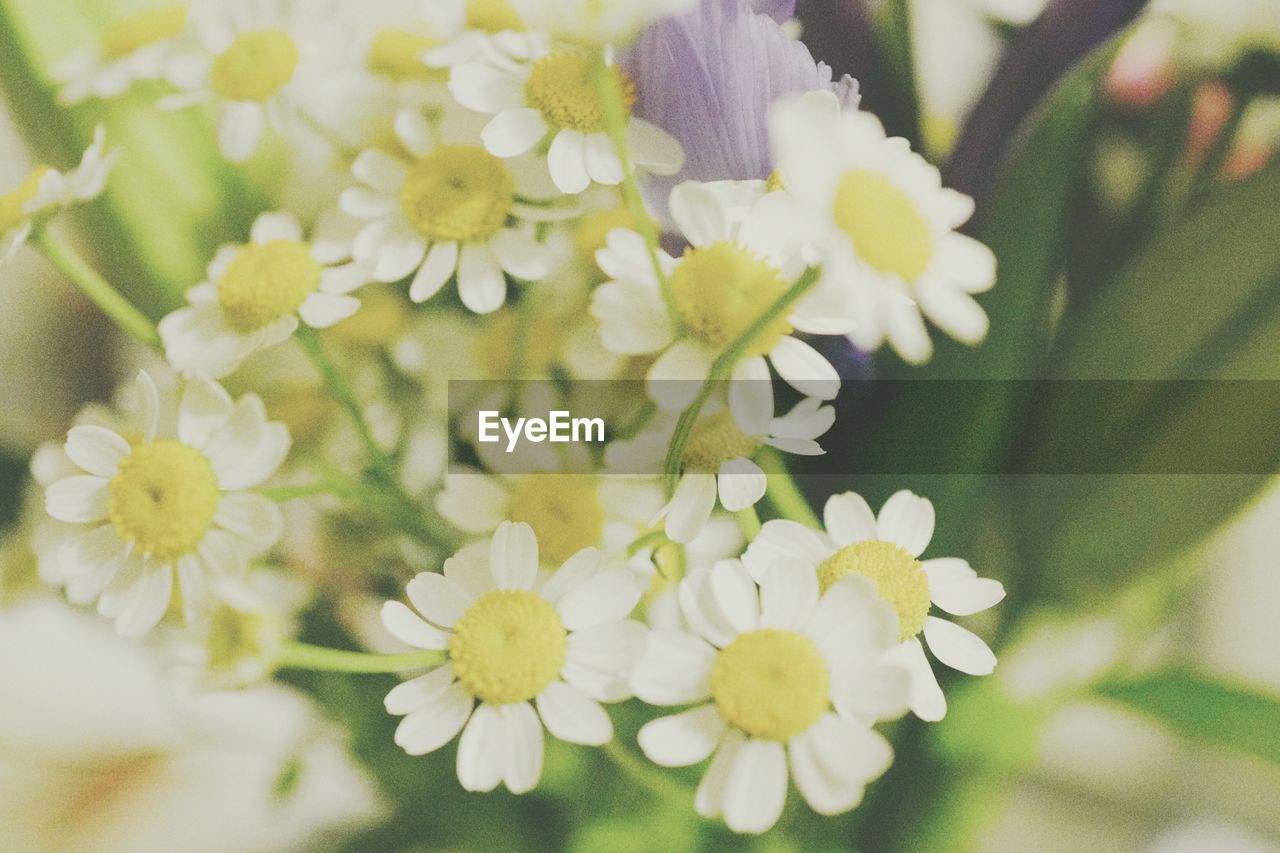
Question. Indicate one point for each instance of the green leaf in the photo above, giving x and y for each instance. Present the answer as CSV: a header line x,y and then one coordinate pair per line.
x,y
1205,710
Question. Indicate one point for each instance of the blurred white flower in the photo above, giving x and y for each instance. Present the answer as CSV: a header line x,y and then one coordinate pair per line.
x,y
137,47
597,22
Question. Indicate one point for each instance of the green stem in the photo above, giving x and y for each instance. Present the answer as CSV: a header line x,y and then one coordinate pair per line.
x,y
615,115
749,521
783,493
722,367
284,494
99,291
648,775
652,539
306,656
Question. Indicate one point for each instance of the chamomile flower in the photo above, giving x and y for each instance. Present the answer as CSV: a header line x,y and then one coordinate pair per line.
x,y
743,257
553,100
562,649
278,63
779,676
885,224
451,209
47,190
597,22
477,29
156,504
717,461
254,297
886,549
137,47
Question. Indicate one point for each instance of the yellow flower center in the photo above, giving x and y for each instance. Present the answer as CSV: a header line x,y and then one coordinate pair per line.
x,y
494,348
144,29
563,86
163,498
398,54
458,193
493,16
898,576
722,289
380,321
887,229
267,282
715,440
564,511
256,66
593,231
13,202
239,636
775,182
770,683
508,646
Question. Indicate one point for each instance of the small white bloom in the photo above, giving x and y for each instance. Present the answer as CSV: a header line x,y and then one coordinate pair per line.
x,y
159,503
597,21
745,254
562,648
792,679
551,104
47,190
477,29
452,209
885,224
138,47
255,295
886,549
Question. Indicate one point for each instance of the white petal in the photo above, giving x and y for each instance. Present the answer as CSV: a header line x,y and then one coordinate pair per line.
x,y
480,750
757,787
439,599
254,519
567,162
957,647
966,597
364,203
414,131
379,170
98,552
699,213
399,255
322,310
633,320
742,484
602,161
788,595
440,264
417,693
520,254
851,619
691,506
948,570
834,760
751,396
906,330
485,89
278,225
869,692
599,660
432,726
676,377
469,569
848,519
907,519
513,132
709,799
572,716
676,669
967,262
925,697
205,407
240,128
408,627
145,601
953,311
682,739
804,368
513,556
96,449
783,539
149,396
523,747
654,148
481,284
78,500
576,571
608,596
735,595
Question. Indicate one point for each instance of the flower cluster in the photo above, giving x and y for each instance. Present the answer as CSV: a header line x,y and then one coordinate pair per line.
x,y
489,203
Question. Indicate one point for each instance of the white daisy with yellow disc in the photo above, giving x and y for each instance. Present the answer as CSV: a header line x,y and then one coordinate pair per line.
x,y
782,678
521,656
136,47
169,502
885,225
552,105
887,549
255,296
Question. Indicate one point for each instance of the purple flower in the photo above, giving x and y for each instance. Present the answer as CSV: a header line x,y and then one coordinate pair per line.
x,y
709,77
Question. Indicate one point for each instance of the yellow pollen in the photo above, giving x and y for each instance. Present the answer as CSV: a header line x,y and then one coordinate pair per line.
x,y
493,16
163,498
256,66
593,231
13,202
508,646
494,345
267,282
775,182
398,54
562,85
770,683
143,30
884,224
898,576
722,289
563,510
458,193
714,440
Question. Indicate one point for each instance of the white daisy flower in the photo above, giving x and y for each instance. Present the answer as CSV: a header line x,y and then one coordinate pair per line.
x,y
138,47
886,549
452,209
254,297
792,679
886,226
47,190
744,255
281,63
717,461
554,99
599,22
477,29
159,505
562,649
